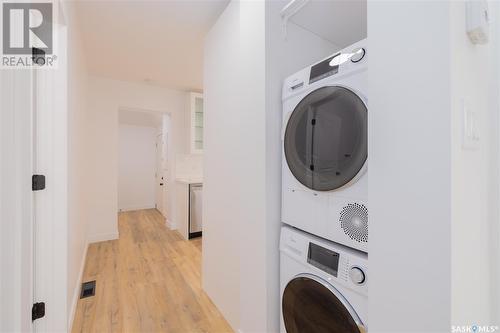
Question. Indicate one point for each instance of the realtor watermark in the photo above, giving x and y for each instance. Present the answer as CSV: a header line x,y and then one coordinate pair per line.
x,y
28,34
474,328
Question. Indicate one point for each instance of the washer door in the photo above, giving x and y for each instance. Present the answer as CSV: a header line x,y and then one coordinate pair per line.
x,y
311,305
326,141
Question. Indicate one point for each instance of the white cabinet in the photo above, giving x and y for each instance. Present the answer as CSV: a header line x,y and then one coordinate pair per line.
x,y
196,123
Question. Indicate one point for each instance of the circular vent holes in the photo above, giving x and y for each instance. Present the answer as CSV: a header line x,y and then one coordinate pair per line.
x,y
354,222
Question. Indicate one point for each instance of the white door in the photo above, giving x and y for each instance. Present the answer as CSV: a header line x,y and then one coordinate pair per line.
x,y
160,178
16,199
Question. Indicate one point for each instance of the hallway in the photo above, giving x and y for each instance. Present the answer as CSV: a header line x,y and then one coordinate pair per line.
x,y
147,281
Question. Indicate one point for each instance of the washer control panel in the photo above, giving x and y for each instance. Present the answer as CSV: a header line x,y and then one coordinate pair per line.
x,y
331,261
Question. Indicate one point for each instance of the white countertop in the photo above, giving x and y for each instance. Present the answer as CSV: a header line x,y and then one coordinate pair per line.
x,y
189,180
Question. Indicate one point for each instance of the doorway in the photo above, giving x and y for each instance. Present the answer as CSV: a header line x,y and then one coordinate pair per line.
x,y
143,160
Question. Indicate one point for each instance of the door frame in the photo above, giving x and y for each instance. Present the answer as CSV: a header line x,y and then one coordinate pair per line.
x,y
159,172
50,206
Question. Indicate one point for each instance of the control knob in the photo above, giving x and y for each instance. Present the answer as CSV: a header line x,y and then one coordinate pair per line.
x,y
357,275
358,54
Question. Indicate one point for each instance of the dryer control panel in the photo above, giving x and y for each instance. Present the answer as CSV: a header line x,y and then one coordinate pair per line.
x,y
343,62
330,65
324,68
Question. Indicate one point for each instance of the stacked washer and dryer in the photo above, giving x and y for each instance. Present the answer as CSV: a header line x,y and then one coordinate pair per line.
x,y
324,244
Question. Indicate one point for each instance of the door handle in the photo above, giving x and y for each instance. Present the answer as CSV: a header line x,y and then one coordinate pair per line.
x,y
161,184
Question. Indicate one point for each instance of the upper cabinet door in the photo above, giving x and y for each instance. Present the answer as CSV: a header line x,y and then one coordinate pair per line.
x,y
196,124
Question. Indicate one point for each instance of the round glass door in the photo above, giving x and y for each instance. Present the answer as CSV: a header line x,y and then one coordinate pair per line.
x,y
326,141
311,307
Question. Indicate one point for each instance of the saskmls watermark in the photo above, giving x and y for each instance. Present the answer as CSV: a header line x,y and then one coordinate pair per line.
x,y
28,36
474,328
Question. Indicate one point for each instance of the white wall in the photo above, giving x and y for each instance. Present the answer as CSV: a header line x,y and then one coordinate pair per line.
x,y
105,98
78,162
474,76
242,195
409,140
430,199
250,163
136,167
222,181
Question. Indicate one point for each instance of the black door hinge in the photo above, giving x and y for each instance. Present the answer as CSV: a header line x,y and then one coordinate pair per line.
x,y
38,56
38,182
37,311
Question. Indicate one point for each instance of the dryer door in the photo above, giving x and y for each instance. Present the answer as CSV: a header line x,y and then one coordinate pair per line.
x,y
326,138
311,305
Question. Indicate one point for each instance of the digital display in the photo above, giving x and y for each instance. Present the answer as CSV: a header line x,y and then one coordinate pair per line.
x,y
323,69
324,259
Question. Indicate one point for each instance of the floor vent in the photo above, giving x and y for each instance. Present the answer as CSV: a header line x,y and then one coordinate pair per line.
x,y
88,289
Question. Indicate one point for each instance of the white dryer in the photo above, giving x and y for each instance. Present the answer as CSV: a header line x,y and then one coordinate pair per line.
x,y
325,114
324,285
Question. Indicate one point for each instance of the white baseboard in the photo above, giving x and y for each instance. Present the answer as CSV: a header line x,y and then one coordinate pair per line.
x,y
102,237
170,224
76,292
129,208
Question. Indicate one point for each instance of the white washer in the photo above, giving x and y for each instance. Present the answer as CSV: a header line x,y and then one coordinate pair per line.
x,y
324,136
324,285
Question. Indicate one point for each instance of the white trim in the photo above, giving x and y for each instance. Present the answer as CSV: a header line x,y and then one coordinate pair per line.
x,y
76,292
50,154
102,237
170,224
140,207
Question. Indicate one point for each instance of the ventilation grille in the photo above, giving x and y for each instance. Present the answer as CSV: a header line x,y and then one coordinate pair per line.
x,y
354,222
88,289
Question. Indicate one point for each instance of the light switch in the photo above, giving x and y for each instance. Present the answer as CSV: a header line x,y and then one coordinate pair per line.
x,y
470,127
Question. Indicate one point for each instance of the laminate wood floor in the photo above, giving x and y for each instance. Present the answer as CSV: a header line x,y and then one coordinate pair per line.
x,y
149,280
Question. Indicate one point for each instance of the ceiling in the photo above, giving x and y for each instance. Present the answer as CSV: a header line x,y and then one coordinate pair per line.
x,y
346,23
157,42
139,118
160,42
